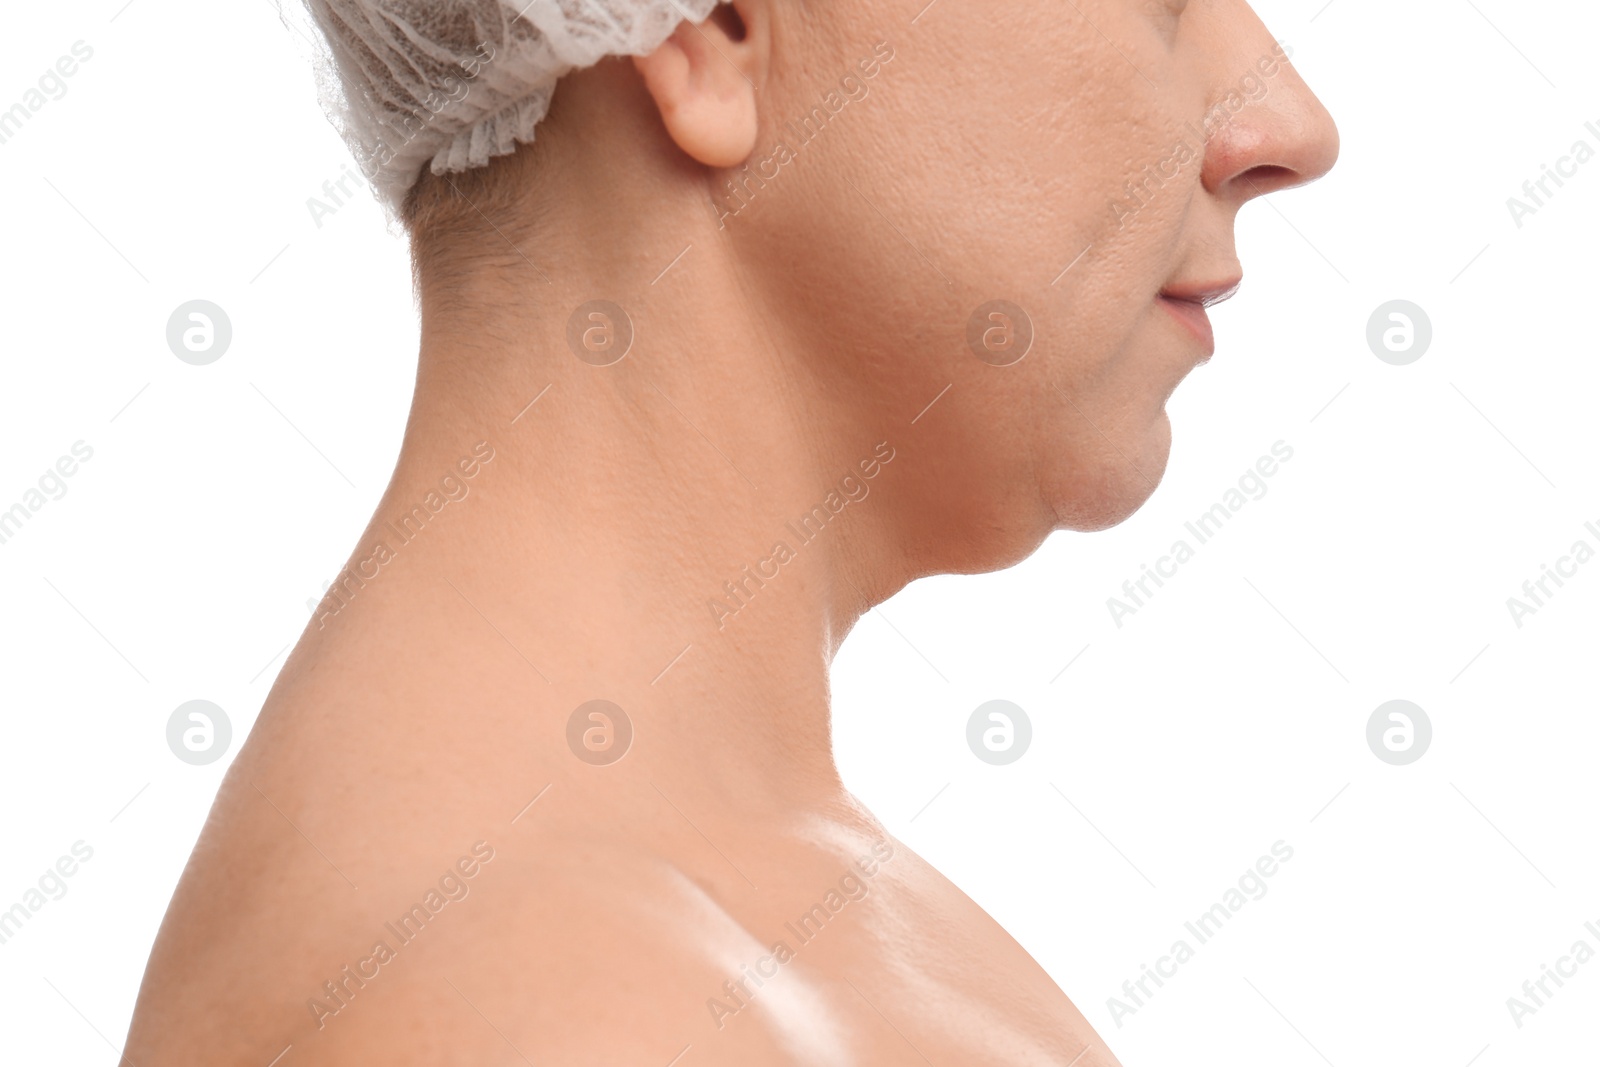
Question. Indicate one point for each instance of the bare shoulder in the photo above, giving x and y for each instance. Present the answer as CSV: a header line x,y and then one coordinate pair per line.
x,y
595,954
831,943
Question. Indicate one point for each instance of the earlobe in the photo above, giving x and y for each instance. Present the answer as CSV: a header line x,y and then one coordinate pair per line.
x,y
702,80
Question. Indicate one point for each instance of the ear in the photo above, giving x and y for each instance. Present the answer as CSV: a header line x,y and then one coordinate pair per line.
x,y
703,79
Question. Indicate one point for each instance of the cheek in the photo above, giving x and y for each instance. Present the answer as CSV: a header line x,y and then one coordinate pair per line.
x,y
956,184
1058,180
988,155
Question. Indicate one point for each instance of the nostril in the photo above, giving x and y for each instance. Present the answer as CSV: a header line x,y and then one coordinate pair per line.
x,y
729,21
1269,178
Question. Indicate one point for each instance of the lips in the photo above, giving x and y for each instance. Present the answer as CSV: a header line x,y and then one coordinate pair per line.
x,y
1187,302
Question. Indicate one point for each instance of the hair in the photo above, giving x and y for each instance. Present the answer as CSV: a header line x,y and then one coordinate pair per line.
x,y
459,222
444,201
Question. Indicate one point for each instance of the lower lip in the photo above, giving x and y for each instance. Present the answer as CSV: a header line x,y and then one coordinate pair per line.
x,y
1194,319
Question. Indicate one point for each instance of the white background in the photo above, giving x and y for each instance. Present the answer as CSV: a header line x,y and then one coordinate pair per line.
x,y
1226,715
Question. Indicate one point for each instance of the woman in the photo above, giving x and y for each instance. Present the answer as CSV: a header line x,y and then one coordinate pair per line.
x,y
803,301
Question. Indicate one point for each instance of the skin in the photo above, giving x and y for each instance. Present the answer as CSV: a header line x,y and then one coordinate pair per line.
x,y
795,339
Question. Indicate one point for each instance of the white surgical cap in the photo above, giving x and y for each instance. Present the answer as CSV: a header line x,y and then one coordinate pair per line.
x,y
456,82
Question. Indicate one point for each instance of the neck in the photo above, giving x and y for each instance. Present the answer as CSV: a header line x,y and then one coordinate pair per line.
x,y
688,532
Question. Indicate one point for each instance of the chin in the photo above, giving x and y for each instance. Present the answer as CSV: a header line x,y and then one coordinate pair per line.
x,y
1126,476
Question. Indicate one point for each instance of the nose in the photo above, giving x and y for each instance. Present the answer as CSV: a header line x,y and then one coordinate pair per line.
x,y
1282,137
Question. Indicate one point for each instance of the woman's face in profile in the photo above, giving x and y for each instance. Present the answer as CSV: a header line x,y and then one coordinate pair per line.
x,y
1053,183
